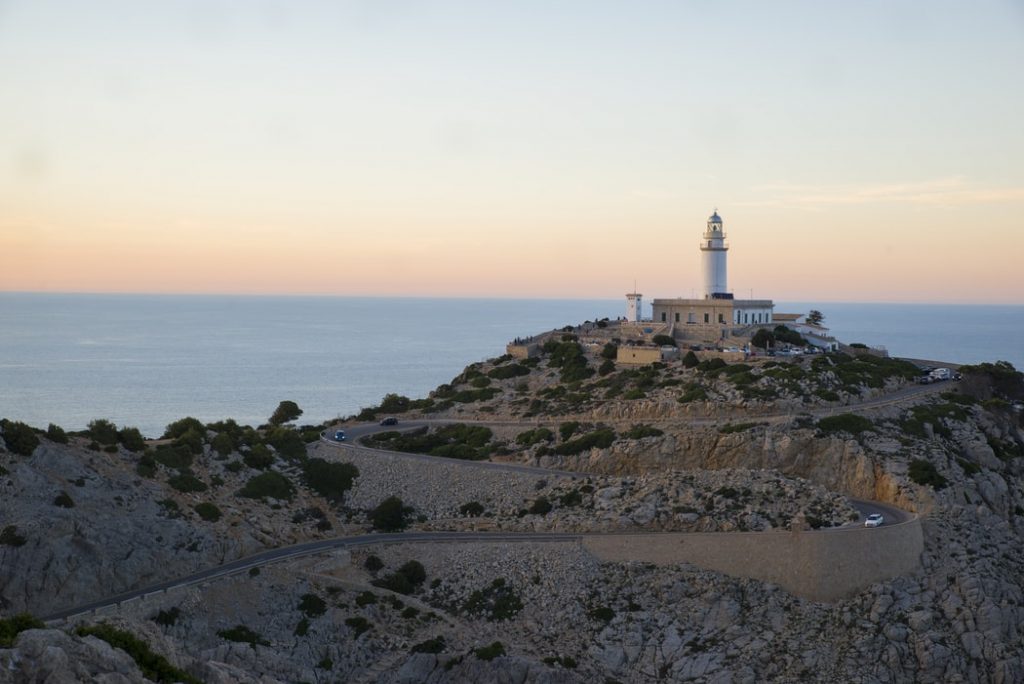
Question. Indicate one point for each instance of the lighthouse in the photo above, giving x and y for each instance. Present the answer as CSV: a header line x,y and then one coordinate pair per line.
x,y
713,250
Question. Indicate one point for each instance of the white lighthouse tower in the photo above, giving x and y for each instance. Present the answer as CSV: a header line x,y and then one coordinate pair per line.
x,y
713,250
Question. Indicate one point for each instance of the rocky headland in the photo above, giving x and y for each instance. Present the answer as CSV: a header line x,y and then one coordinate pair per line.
x,y
693,445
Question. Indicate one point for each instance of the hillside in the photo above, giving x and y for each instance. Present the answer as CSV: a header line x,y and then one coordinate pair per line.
x,y
698,444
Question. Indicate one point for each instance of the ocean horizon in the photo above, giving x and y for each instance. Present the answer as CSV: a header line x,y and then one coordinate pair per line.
x,y
145,360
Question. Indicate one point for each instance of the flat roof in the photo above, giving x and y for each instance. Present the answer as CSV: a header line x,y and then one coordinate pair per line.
x,y
735,303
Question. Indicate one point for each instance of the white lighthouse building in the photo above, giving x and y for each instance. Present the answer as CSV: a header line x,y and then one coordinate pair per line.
x,y
713,252
718,315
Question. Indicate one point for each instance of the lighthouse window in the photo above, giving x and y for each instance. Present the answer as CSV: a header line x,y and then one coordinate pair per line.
x,y
707,318
662,316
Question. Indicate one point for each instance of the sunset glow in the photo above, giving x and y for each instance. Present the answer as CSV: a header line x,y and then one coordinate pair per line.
x,y
858,152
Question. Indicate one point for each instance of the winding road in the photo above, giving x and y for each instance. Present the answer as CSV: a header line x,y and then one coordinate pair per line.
x,y
893,515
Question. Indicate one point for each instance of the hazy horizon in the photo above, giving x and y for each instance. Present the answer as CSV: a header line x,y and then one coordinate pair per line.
x,y
863,152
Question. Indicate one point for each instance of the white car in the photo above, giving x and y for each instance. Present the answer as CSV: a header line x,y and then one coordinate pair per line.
x,y
874,520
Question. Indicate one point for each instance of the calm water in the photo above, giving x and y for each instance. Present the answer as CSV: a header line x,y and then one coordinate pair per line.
x,y
146,360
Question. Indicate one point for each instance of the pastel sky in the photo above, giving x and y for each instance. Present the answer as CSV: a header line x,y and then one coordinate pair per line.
x,y
857,151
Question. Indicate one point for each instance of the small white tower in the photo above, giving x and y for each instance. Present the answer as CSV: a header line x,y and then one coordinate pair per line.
x,y
713,249
634,306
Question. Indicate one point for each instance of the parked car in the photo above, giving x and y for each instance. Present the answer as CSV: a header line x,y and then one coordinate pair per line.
x,y
874,520
390,420
924,380
339,436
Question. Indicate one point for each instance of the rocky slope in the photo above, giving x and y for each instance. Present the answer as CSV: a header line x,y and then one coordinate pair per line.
x,y
550,612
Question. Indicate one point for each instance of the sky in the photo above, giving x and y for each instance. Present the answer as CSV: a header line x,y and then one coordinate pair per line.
x,y
867,151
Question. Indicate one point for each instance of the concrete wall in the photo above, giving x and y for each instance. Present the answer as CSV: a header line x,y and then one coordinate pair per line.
x,y
821,565
523,351
638,355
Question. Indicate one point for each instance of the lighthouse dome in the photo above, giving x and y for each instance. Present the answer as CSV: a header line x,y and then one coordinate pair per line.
x,y
715,218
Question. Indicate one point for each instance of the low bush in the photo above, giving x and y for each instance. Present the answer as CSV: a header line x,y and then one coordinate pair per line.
x,y
179,427
406,580
186,482
285,412
55,433
641,431
373,563
11,627
9,537
391,515
730,428
534,436
208,511
664,341
473,509
494,650
153,665
287,442
312,605
259,457
176,457
540,506
329,479
610,351
924,473
63,500
271,485
602,614
19,437
102,431
496,602
131,439
845,422
512,370
435,645
598,439
243,635
358,624
167,618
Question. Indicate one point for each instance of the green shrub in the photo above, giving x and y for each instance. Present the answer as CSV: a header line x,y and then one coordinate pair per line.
x,y
186,482
690,360
102,431
177,457
641,431
845,422
495,602
788,336
473,509
19,437
570,499
11,627
170,508
180,427
63,500
481,382
285,412
259,457
607,367
223,443
664,341
490,652
934,415
712,366
540,506
406,580
373,563
391,515
762,339
602,614
9,537
208,511
534,436
358,624
55,433
598,439
153,666
513,370
366,598
693,392
288,443
131,439
271,484
329,479
435,645
567,430
243,635
312,605
610,351
924,473
302,629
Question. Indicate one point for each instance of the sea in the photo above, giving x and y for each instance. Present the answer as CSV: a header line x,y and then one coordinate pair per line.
x,y
147,360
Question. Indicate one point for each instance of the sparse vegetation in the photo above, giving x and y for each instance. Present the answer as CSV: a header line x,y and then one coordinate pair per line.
x,y
269,485
55,433
208,511
329,479
494,650
11,627
845,422
641,431
391,515
496,602
406,580
243,635
9,537
19,437
598,439
924,473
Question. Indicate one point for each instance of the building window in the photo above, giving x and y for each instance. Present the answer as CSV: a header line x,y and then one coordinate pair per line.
x,y
691,318
746,318
707,318
662,316
721,318
677,317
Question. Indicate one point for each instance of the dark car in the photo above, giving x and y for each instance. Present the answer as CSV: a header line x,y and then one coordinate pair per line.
x,y
390,420
339,436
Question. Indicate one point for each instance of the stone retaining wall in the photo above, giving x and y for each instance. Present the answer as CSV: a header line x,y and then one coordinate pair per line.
x,y
823,565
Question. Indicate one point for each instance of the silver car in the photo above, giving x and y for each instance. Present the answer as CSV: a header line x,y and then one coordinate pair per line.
x,y
874,520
